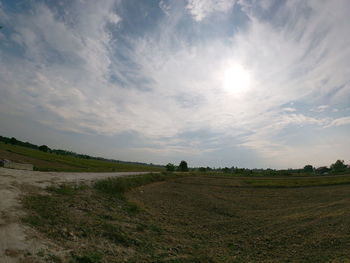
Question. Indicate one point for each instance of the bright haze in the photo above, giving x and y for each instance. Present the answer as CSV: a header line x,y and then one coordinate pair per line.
x,y
214,82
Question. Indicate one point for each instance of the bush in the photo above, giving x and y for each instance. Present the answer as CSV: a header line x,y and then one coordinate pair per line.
x,y
170,167
183,166
119,185
308,168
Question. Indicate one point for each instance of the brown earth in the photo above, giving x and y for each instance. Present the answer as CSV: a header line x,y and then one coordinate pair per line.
x,y
215,220
187,219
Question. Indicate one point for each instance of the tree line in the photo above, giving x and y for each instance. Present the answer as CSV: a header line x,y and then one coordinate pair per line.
x,y
338,167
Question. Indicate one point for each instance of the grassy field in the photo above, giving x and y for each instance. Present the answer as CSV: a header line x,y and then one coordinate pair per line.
x,y
297,182
179,218
44,161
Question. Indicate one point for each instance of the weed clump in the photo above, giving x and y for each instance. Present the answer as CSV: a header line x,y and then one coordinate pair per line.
x,y
119,185
87,257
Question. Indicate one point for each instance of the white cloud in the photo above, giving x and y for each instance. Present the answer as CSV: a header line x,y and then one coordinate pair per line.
x,y
272,125
320,108
200,9
66,67
165,7
289,109
114,18
339,122
65,77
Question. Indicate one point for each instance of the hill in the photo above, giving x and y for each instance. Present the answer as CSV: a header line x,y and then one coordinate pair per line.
x,y
52,161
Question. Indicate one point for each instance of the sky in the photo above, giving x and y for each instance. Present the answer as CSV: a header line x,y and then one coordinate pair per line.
x,y
247,83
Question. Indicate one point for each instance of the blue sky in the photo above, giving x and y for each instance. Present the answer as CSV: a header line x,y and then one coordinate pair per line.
x,y
215,82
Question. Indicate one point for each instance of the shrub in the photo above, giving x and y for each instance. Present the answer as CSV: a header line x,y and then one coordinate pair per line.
x,y
183,166
170,167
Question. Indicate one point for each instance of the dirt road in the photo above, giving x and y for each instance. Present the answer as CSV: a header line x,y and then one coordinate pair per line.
x,y
17,239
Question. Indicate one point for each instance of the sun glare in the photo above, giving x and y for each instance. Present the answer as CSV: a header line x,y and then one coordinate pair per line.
x,y
236,79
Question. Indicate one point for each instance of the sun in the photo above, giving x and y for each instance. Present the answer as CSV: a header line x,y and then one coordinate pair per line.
x,y
236,79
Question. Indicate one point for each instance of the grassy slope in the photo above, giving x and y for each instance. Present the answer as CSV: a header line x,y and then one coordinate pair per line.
x,y
197,219
52,162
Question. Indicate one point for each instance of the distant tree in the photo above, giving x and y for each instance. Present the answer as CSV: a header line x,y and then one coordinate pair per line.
x,y
183,166
202,169
44,148
308,168
13,140
170,167
338,166
226,170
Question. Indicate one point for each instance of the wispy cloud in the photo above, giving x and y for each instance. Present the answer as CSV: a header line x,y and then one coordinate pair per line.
x,y
289,109
339,122
320,108
200,9
85,67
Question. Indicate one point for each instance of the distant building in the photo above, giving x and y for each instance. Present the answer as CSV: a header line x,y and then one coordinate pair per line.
x,y
322,170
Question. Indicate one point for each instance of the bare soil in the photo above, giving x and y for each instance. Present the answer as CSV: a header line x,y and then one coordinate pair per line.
x,y
20,243
217,220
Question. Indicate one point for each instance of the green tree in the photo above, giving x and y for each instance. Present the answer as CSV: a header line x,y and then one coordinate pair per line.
x,y
183,166
202,169
338,166
170,167
13,140
226,170
44,148
308,168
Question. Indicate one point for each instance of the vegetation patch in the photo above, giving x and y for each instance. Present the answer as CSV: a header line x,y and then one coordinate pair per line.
x,y
119,185
298,182
96,223
194,219
47,161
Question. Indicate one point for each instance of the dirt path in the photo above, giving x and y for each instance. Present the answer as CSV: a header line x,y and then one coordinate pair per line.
x,y
17,240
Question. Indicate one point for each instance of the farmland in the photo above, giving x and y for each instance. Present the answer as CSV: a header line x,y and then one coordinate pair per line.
x,y
44,161
197,218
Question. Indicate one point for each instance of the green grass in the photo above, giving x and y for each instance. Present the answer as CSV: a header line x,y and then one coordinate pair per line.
x,y
44,161
120,185
298,182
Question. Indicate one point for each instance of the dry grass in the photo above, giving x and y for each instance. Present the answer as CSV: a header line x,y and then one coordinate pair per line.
x,y
195,219
215,219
